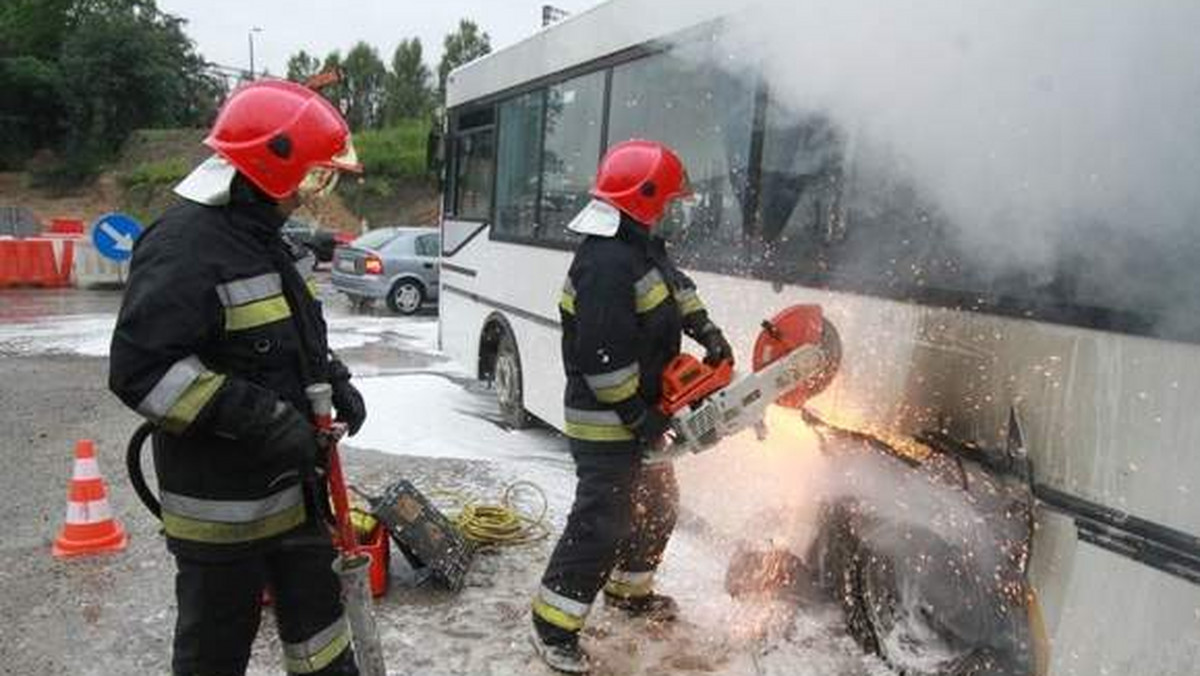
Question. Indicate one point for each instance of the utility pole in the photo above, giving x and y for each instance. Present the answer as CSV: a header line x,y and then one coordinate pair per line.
x,y
250,36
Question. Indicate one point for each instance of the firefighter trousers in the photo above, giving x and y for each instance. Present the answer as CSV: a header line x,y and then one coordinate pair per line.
x,y
623,516
220,604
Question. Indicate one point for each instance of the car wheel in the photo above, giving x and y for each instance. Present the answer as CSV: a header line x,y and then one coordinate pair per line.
x,y
406,297
508,384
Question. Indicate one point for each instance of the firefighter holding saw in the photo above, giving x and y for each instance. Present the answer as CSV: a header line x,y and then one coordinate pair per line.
x,y
624,308
218,336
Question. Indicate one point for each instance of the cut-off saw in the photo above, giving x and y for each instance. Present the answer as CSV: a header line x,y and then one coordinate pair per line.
x,y
796,356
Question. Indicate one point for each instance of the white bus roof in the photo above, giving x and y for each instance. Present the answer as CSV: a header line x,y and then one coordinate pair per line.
x,y
605,29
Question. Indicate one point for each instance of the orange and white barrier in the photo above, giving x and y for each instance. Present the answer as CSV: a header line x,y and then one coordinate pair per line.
x,y
41,262
90,527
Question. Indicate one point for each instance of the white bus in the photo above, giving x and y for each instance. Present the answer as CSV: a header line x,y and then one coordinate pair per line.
x,y
1079,378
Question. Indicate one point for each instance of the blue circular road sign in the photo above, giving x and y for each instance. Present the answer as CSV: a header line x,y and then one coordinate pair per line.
x,y
114,235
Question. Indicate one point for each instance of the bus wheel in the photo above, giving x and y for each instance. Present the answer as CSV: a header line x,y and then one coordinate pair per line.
x,y
507,382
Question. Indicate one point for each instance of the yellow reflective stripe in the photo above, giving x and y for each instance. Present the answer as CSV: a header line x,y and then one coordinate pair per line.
x,y
588,425
617,393
653,298
688,301
567,300
193,400
557,617
256,314
594,432
215,532
319,651
312,287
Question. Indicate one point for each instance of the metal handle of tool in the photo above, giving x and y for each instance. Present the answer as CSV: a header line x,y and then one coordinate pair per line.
x,y
320,397
353,567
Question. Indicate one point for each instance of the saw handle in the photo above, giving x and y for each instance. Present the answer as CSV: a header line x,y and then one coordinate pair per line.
x,y
320,396
687,381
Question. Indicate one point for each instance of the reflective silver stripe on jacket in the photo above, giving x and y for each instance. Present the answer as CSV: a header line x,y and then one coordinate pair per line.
x,y
179,396
595,425
688,301
232,511
319,651
251,289
170,387
650,291
232,521
615,386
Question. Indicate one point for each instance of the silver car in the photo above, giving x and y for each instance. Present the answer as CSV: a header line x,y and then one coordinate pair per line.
x,y
399,265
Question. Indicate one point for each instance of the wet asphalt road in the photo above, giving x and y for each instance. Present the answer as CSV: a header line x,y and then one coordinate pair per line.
x,y
112,614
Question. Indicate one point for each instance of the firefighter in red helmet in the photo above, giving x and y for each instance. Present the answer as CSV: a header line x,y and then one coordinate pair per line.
x,y
217,338
624,307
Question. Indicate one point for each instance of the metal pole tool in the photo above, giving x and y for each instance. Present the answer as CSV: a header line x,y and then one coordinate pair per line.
x,y
352,566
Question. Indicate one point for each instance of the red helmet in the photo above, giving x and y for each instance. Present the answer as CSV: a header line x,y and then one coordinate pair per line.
x,y
641,178
277,132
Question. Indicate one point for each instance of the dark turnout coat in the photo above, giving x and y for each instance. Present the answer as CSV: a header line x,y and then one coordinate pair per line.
x,y
624,308
217,328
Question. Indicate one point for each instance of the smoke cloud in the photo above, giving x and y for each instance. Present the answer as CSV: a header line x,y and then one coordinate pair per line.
x,y
1055,144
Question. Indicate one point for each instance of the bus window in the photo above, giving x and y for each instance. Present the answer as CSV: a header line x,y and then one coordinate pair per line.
x,y
574,117
800,194
519,165
474,158
706,115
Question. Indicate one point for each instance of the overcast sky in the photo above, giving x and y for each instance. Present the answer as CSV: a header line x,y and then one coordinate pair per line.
x,y
220,28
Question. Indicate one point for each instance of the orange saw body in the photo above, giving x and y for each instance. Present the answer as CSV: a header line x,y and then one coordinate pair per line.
x,y
795,358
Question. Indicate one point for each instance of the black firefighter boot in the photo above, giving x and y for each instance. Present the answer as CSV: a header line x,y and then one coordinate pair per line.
x,y
559,649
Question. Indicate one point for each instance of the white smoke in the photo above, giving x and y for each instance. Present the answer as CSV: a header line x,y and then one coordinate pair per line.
x,y
1020,118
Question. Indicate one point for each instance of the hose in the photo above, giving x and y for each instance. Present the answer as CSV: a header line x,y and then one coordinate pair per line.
x,y
502,525
133,465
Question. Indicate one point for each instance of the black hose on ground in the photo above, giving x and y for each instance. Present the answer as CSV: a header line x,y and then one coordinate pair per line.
x,y
133,464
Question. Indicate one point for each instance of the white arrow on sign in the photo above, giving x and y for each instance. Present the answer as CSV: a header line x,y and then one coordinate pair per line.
x,y
123,242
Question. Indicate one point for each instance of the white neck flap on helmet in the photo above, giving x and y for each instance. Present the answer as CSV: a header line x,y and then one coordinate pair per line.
x,y
208,183
597,218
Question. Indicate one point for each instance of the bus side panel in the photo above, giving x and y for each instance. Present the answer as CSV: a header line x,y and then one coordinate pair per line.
x,y
481,278
1107,418
541,367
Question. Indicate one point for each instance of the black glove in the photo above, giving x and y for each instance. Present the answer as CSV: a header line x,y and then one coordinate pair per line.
x,y
651,428
349,405
346,398
292,440
716,348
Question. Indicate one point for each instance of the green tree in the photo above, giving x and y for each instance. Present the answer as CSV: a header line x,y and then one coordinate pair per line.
x,y
363,76
34,27
462,46
32,107
302,66
407,93
125,66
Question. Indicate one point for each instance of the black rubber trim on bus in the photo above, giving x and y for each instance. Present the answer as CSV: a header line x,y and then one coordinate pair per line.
x,y
516,311
463,244
1171,551
458,269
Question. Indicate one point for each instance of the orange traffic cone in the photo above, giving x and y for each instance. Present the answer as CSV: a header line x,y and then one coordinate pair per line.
x,y
90,526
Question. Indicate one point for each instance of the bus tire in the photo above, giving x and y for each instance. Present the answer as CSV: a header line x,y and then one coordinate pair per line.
x,y
508,383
